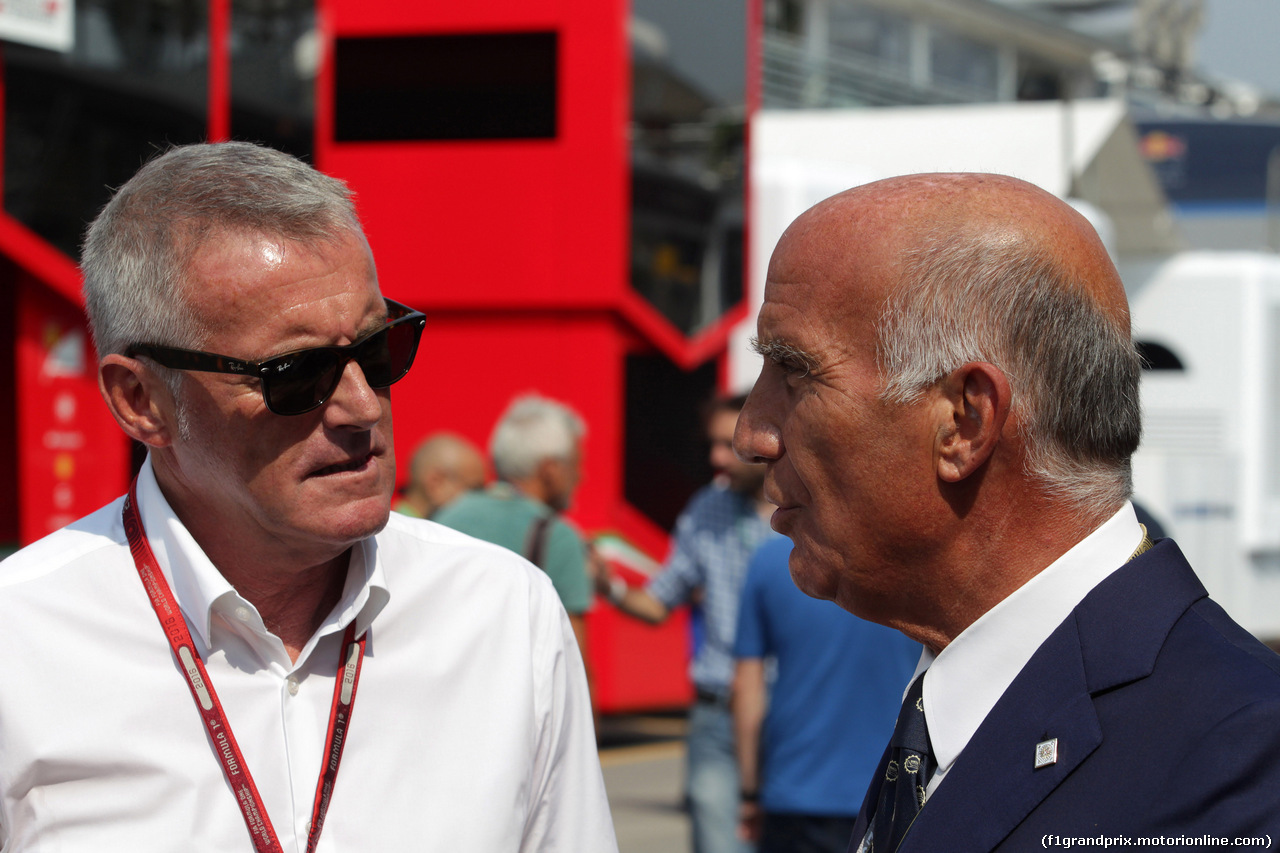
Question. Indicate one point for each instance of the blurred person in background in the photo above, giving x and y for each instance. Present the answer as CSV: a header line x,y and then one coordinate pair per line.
x,y
536,450
443,467
714,539
808,740
238,584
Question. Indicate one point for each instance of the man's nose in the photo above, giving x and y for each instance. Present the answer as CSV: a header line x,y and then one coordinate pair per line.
x,y
354,402
756,438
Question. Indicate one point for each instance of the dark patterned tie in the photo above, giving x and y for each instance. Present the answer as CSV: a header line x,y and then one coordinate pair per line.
x,y
911,763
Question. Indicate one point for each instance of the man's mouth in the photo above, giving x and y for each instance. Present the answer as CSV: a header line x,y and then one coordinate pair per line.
x,y
344,467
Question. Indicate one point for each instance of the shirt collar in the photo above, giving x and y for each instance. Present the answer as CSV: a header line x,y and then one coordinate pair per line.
x,y
971,674
504,490
202,591
366,591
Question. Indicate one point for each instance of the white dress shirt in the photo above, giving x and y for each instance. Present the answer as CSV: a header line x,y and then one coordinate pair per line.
x,y
971,674
471,730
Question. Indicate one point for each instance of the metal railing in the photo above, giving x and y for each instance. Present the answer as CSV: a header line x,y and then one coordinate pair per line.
x,y
793,78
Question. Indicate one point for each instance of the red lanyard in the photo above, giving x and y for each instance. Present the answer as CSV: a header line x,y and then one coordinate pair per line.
x,y
219,730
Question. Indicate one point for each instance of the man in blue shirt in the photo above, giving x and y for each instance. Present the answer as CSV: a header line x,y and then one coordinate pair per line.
x,y
830,710
714,539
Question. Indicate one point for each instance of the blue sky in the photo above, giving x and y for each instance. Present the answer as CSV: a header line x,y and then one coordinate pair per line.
x,y
1241,39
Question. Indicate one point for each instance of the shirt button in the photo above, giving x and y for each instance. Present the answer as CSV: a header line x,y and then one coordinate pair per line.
x,y
243,614
293,686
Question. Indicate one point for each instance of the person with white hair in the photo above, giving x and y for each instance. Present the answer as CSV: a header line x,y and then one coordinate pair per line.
x,y
536,450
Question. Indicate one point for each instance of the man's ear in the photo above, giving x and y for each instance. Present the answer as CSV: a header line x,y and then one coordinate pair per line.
x,y
139,401
550,475
976,401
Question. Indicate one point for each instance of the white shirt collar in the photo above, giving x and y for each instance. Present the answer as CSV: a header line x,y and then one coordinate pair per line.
x,y
972,673
202,591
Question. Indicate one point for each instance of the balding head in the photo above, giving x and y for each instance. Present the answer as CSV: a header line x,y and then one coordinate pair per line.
x,y
976,267
444,466
947,358
906,215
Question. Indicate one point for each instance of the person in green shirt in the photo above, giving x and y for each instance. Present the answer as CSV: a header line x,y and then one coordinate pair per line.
x,y
536,450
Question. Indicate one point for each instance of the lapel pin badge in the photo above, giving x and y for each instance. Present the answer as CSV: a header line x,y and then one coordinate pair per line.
x,y
1046,753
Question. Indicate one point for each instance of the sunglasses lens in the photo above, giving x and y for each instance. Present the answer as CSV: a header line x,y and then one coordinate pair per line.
x,y
374,358
387,356
302,382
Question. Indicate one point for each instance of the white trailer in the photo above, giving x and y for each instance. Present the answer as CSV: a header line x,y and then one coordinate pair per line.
x,y
1209,465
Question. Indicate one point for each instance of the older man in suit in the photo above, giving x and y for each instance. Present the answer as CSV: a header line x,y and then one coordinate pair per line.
x,y
947,409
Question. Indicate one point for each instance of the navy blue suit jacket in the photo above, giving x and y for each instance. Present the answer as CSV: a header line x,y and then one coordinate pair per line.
x,y
1167,715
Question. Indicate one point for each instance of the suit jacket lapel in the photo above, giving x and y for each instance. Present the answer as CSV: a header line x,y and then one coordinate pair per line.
x,y
868,803
966,814
994,783
1111,639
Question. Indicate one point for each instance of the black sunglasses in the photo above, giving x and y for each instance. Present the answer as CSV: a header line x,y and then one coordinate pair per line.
x,y
298,382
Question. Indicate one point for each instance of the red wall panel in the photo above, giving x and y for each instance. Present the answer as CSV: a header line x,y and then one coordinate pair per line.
x,y
72,457
517,250
501,223
470,366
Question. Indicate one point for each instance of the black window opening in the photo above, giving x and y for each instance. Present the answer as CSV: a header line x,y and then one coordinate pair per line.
x,y
666,452
446,87
688,157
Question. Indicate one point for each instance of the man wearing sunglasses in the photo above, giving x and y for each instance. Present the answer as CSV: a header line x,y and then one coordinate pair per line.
x,y
192,653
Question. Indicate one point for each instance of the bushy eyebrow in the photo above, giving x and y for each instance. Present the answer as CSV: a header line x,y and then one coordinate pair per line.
x,y
781,352
373,325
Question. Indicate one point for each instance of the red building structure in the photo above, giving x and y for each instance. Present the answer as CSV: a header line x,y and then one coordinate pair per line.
x,y
541,177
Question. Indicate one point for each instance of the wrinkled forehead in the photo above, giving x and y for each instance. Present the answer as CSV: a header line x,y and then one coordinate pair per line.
x,y
255,282
837,262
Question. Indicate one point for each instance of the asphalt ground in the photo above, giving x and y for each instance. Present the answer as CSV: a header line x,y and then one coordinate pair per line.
x,y
643,761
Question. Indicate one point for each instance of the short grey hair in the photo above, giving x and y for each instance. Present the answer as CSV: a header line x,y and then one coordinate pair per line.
x,y
136,252
532,429
1073,371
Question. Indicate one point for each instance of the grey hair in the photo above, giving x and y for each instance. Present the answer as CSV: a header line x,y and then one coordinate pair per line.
x,y
533,429
136,252
1072,370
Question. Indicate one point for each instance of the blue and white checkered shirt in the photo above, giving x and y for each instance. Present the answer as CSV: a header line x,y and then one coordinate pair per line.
x,y
714,539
